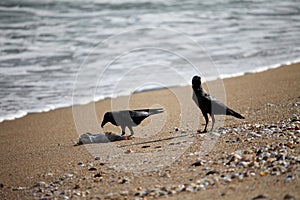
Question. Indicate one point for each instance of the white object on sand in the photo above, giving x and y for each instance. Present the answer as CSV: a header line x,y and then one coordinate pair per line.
x,y
89,138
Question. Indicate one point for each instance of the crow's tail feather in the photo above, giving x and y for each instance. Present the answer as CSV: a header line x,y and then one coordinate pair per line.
x,y
233,113
155,111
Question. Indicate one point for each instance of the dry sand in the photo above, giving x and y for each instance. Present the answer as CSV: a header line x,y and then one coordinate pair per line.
x,y
39,159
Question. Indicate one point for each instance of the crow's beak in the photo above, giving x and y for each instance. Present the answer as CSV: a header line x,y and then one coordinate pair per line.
x,y
103,123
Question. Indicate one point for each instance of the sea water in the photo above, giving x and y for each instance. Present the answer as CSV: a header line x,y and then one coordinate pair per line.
x,y
51,51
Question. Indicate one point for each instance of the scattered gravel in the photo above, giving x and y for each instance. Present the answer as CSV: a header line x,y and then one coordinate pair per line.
x,y
274,159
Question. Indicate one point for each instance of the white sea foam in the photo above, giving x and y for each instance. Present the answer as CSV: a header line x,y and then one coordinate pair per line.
x,y
99,98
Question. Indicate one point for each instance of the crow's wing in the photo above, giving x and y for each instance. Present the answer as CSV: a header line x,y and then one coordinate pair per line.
x,y
138,115
122,118
133,117
217,107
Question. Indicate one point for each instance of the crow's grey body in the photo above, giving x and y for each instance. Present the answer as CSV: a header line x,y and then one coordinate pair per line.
x,y
128,118
210,105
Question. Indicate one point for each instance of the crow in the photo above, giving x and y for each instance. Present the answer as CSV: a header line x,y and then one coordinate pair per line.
x,y
209,105
128,118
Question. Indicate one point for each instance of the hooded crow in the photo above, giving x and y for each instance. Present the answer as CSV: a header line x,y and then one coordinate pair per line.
x,y
209,105
128,118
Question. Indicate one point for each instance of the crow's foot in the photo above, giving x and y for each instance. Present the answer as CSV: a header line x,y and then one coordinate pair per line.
x,y
127,137
199,131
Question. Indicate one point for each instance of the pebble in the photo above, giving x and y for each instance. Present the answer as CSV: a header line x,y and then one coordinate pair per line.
x,y
294,118
288,196
254,134
189,188
211,172
124,193
261,196
68,175
49,174
297,104
199,163
164,174
97,179
289,178
77,186
227,179
40,184
123,180
92,169
128,151
20,188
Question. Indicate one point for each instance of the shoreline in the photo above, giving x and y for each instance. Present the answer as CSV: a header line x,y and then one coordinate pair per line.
x,y
38,153
222,77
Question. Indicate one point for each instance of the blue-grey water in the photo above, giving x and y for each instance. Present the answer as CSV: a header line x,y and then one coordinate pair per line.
x,y
45,46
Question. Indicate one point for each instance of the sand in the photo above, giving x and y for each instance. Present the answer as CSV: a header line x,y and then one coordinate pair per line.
x,y
39,159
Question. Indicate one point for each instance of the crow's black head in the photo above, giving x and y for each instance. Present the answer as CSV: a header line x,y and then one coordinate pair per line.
x,y
196,81
107,118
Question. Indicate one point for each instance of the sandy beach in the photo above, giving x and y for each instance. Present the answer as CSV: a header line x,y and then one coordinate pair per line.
x,y
255,158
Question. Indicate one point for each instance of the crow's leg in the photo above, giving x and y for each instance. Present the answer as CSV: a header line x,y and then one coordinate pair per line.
x,y
213,122
206,122
131,130
123,129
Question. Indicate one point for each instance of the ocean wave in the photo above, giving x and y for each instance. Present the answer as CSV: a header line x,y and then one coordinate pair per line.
x,y
44,43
